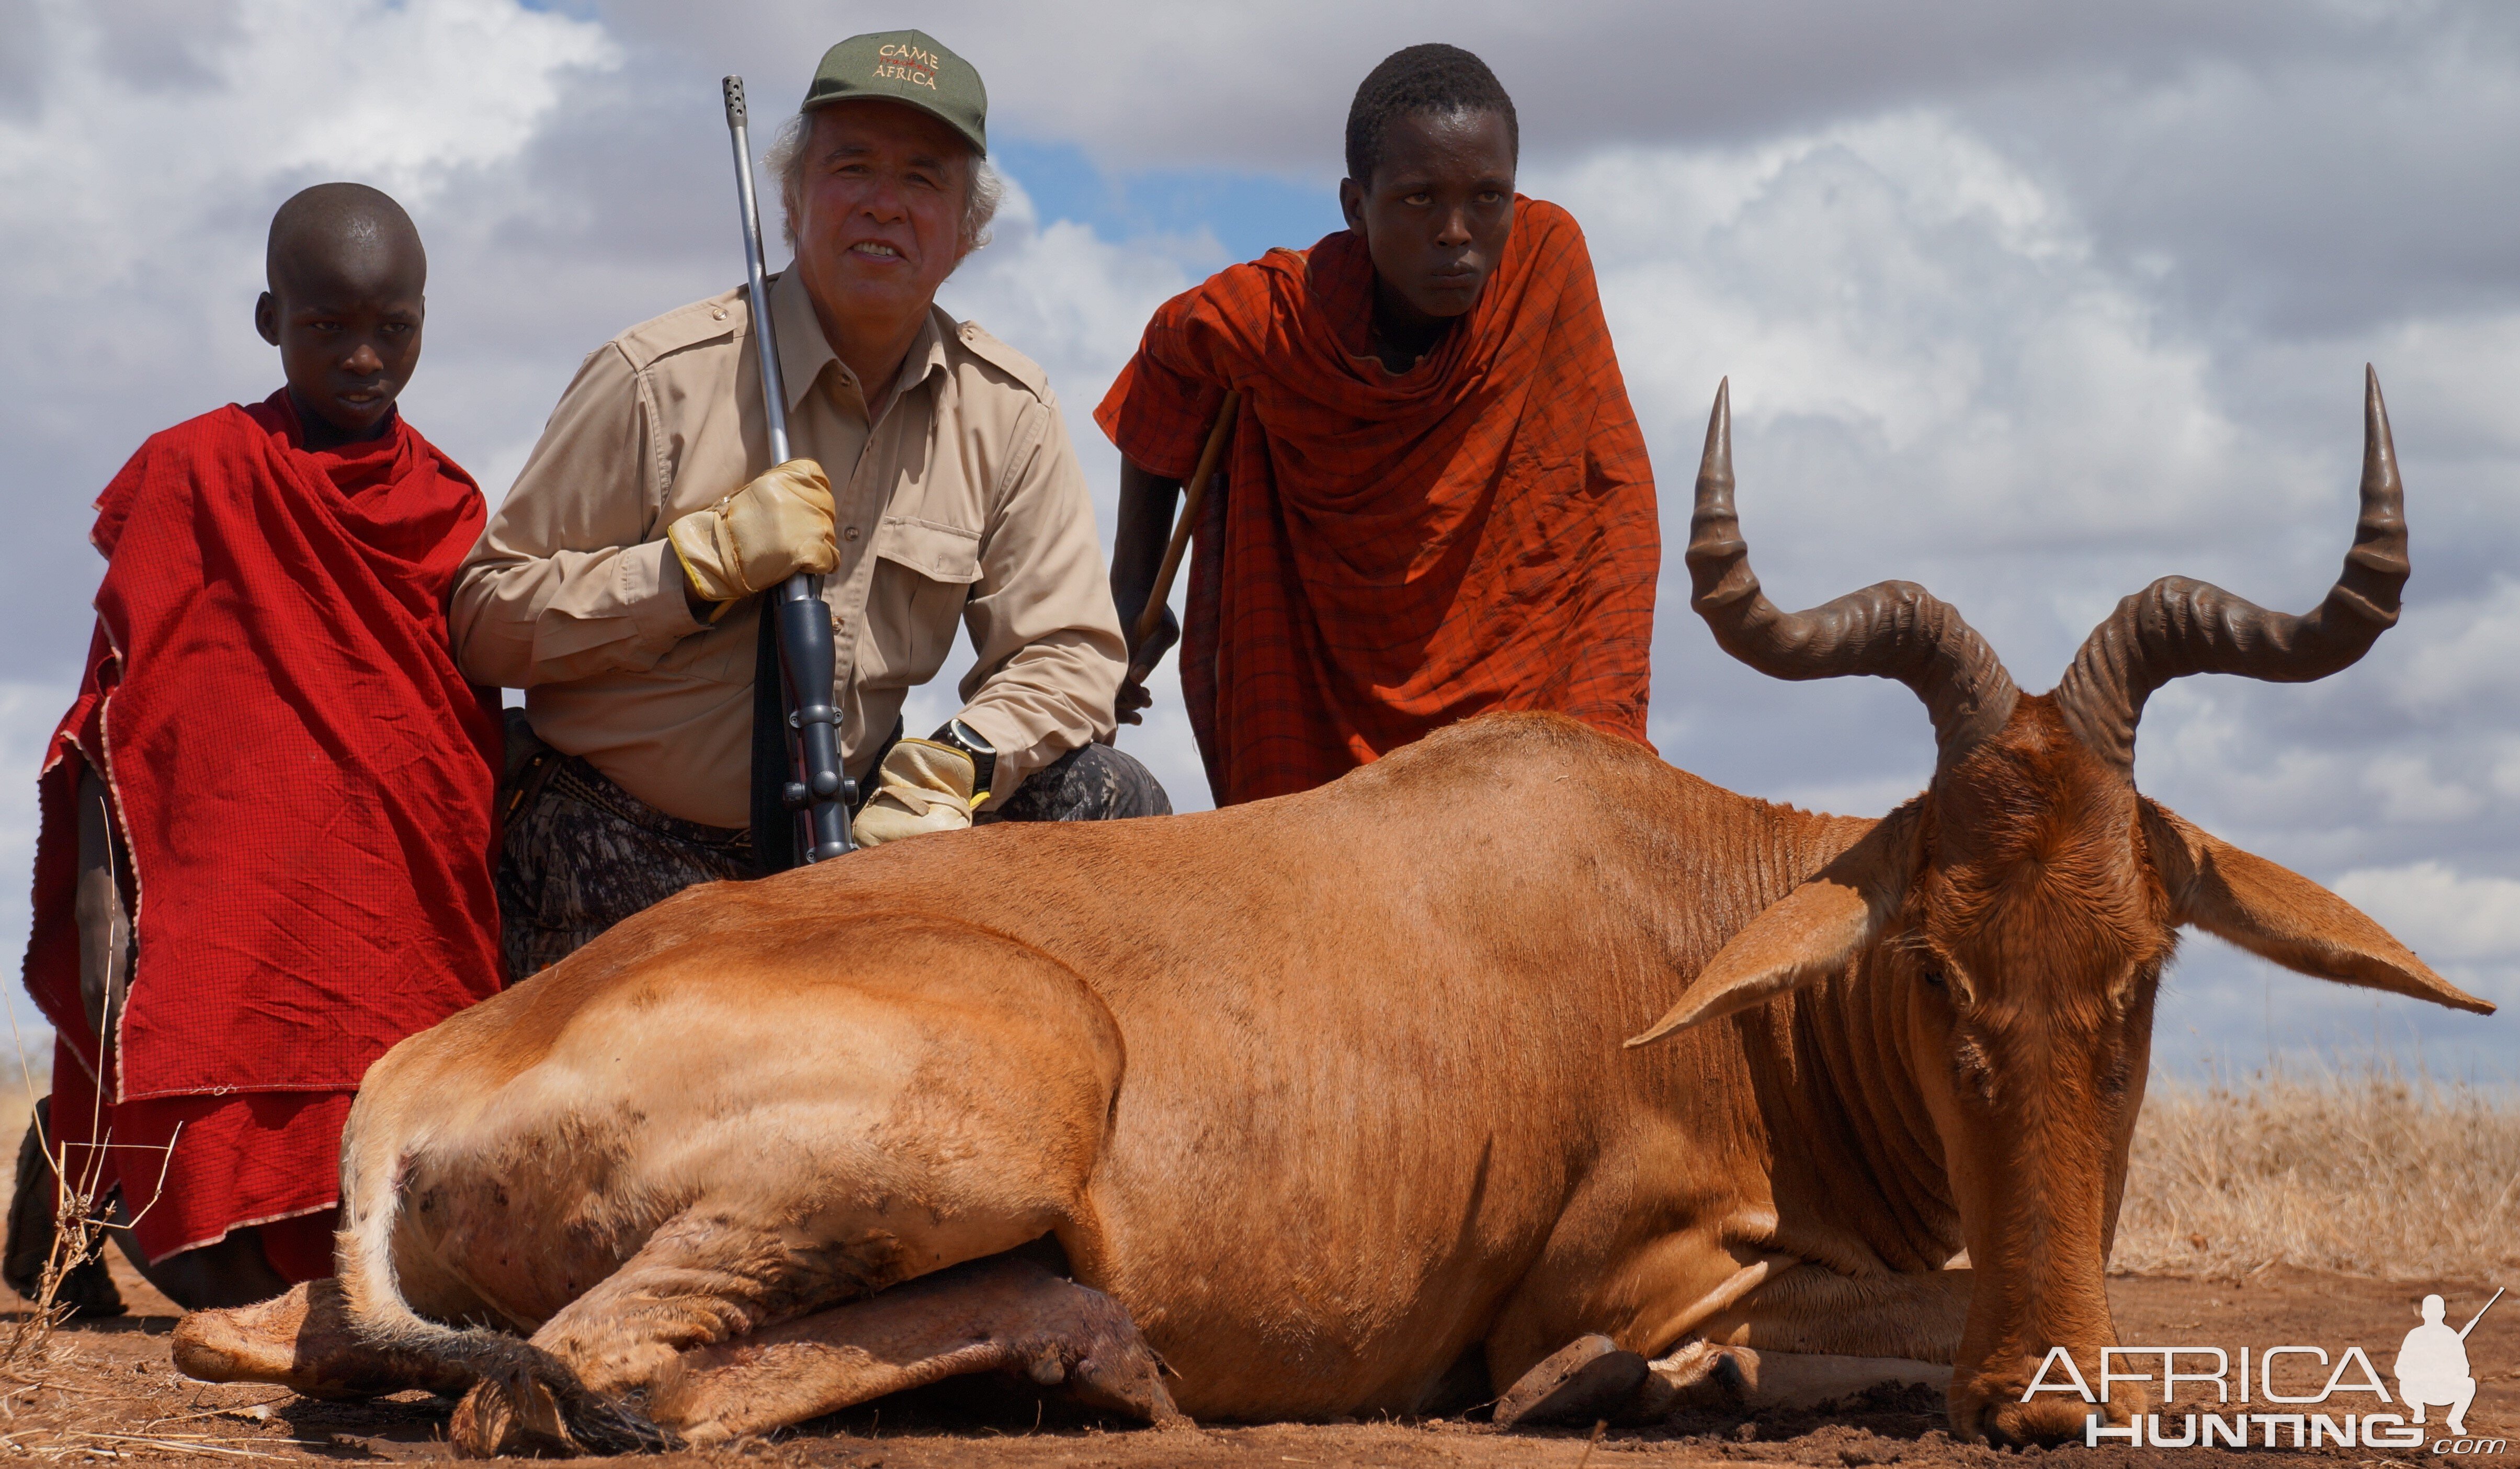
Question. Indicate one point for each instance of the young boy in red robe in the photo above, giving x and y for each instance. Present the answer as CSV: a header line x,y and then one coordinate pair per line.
x,y
267,819
1437,501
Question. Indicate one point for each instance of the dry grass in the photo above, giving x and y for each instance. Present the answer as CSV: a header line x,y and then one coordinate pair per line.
x,y
79,1225
2369,1174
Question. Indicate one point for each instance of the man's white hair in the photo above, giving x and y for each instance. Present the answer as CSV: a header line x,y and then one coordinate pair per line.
x,y
982,191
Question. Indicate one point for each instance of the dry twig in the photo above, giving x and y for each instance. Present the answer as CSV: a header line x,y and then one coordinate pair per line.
x,y
80,1216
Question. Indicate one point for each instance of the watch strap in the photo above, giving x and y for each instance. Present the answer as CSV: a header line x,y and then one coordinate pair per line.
x,y
983,756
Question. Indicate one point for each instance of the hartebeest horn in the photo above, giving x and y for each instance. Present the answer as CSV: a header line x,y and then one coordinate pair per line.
x,y
2178,626
1890,629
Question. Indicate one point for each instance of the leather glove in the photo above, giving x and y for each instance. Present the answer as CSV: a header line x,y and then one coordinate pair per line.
x,y
760,535
921,787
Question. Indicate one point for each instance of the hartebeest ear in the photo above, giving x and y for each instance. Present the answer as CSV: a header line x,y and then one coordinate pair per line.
x,y
2277,914
1810,933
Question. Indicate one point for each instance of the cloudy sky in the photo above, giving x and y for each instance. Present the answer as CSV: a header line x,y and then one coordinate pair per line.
x,y
2030,302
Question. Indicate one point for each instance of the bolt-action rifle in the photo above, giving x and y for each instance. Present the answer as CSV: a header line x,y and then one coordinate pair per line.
x,y
817,794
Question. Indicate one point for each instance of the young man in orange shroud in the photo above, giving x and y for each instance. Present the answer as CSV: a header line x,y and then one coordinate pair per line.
x,y
264,855
1437,500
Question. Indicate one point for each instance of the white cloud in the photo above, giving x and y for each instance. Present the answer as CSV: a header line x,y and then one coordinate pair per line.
x,y
2471,656
2466,925
2439,912
28,714
2408,792
1938,309
402,96
1069,299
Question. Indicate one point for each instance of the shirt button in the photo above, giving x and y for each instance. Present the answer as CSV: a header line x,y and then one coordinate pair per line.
x,y
719,314
852,532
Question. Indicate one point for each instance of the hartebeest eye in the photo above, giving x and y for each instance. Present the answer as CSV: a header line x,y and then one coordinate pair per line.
x,y
1931,975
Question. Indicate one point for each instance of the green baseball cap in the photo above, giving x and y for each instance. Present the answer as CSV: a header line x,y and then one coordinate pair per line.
x,y
908,66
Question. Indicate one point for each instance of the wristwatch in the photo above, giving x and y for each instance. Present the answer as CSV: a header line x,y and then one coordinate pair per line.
x,y
984,755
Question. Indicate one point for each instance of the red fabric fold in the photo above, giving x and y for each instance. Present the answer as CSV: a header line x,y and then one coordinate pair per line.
x,y
303,779
195,1168
1397,551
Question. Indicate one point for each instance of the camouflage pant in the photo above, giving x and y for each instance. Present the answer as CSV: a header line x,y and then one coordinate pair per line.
x,y
581,853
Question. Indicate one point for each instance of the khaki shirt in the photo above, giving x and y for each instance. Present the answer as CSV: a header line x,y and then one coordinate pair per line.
x,y
961,504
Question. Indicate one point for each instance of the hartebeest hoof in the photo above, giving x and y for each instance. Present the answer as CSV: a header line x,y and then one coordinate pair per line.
x,y
532,1414
1587,1379
2009,1424
996,1314
302,1339
1700,1377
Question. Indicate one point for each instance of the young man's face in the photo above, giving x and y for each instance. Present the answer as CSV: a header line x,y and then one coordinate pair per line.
x,y
878,212
347,326
1436,212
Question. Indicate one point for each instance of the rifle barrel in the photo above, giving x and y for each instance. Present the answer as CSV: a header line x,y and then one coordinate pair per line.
x,y
757,275
818,790
2480,1315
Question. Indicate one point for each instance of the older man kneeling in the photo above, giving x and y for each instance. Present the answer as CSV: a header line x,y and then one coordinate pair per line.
x,y
935,483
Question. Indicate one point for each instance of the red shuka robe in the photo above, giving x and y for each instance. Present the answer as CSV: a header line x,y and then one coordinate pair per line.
x,y
1394,552
304,786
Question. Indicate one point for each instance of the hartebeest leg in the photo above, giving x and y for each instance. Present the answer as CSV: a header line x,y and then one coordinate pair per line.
x,y
993,1315
704,1278
1704,1376
304,1338
700,1278
1915,1316
1810,1335
1591,1379
1801,1336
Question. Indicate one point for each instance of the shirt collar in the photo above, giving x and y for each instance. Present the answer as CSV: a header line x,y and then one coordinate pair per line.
x,y
804,353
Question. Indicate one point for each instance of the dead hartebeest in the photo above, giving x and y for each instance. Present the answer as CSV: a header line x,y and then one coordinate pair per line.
x,y
1327,1096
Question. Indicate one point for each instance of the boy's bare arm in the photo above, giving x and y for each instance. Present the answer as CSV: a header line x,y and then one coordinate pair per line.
x,y
1147,501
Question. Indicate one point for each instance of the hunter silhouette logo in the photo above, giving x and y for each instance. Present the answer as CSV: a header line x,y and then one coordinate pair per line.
x,y
2431,1367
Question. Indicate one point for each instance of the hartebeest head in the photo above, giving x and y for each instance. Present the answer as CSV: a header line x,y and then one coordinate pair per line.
x,y
2012,922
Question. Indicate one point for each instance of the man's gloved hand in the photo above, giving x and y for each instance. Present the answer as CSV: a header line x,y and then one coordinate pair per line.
x,y
760,535
921,787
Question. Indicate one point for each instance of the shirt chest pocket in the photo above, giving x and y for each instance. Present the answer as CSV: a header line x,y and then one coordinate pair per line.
x,y
922,574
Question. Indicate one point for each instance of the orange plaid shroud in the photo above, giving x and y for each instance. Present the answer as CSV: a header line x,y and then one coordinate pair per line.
x,y
1394,552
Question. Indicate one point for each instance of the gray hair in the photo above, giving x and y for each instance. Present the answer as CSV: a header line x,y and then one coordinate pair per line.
x,y
982,192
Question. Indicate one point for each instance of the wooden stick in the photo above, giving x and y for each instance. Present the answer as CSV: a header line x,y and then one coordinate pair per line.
x,y
1208,459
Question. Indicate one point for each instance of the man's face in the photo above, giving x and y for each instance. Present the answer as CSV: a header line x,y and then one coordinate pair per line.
x,y
1436,212
878,212
347,326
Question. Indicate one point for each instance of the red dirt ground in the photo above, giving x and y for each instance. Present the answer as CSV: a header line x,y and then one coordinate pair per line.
x,y
105,1391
